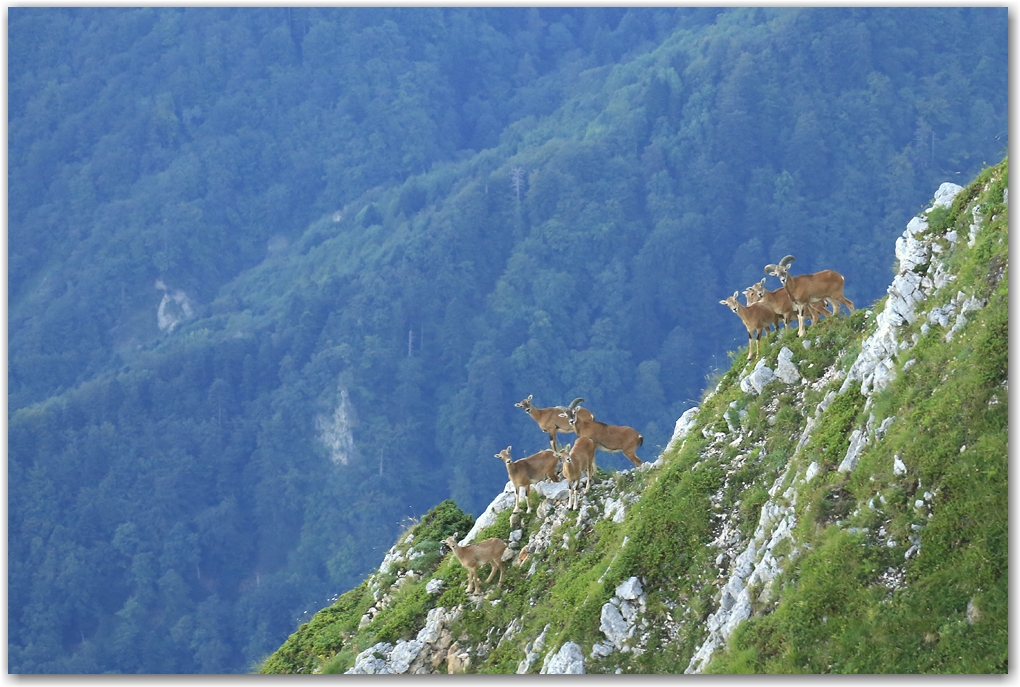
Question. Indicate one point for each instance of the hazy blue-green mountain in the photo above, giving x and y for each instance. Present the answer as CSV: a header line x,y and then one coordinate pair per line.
x,y
277,276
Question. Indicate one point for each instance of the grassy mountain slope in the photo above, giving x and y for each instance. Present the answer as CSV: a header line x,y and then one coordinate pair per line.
x,y
849,516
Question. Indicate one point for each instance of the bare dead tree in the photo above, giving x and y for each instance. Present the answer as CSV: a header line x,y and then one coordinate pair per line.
x,y
517,182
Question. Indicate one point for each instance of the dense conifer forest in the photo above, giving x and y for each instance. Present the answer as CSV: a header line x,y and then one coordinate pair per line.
x,y
277,276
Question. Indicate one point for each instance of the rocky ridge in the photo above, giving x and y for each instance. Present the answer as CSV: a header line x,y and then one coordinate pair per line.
x,y
434,642
750,555
922,272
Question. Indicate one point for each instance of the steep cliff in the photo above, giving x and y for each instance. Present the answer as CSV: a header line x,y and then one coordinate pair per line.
x,y
839,505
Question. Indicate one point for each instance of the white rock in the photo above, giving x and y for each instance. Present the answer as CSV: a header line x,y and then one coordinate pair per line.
x,y
940,316
629,588
858,440
172,310
392,556
531,652
911,251
402,655
613,625
726,416
945,195
916,225
971,304
824,404
601,649
503,501
434,585
905,293
898,467
804,437
942,277
512,629
367,663
975,226
615,510
874,366
877,351
683,426
785,369
569,660
458,660
555,491
433,625
540,640
646,466
754,382
961,321
631,608
812,470
884,427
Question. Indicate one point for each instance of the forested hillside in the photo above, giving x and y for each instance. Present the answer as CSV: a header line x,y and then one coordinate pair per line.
x,y
278,276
